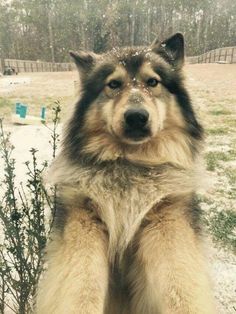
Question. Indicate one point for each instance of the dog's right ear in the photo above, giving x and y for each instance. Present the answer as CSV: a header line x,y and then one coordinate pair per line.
x,y
172,49
84,61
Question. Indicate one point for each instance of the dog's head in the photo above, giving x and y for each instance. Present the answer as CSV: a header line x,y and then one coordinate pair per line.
x,y
132,102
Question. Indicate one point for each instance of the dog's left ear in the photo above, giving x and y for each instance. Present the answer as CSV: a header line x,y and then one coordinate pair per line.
x,y
84,61
172,49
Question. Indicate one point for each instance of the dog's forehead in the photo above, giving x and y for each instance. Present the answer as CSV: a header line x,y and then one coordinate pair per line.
x,y
130,58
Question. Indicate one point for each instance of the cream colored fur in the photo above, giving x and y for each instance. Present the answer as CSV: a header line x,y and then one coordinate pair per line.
x,y
76,280
167,274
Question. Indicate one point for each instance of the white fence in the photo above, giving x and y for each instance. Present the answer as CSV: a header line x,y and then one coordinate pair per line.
x,y
220,55
34,66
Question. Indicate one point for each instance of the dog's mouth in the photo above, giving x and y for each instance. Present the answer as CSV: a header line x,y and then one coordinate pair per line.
x,y
132,136
137,135
135,127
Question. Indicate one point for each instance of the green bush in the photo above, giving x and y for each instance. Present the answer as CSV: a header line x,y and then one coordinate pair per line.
x,y
26,217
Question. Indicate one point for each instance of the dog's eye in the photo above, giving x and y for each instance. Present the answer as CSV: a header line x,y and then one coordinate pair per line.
x,y
152,82
114,84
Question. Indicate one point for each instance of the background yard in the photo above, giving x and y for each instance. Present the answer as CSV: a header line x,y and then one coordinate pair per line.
x,y
213,89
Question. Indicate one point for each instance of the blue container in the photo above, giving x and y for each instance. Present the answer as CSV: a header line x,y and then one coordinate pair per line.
x,y
43,113
18,106
23,111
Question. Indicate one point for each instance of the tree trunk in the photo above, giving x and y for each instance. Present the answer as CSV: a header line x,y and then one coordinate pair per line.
x,y
51,37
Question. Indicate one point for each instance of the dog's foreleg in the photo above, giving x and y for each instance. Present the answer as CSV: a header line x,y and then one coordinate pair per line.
x,y
168,275
77,276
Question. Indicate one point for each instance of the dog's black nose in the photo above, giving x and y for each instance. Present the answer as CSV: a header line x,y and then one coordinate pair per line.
x,y
136,118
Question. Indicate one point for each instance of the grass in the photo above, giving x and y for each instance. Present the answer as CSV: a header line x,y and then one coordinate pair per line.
x,y
213,159
220,212
218,131
5,102
6,107
219,112
222,226
231,175
231,123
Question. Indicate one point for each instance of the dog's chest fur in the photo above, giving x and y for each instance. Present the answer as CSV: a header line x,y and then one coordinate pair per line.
x,y
122,203
123,194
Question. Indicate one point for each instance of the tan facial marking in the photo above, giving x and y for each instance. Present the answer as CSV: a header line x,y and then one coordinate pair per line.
x,y
119,74
147,72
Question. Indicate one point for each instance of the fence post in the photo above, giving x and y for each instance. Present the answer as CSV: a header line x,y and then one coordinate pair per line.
x,y
232,55
2,64
220,55
17,66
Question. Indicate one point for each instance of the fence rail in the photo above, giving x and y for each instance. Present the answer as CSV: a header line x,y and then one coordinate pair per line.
x,y
220,55
35,66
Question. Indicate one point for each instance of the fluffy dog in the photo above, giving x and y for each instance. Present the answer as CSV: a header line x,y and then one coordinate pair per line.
x,y
127,232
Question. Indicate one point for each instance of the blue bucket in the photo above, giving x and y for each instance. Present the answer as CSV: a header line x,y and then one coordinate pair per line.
x,y
23,111
18,106
43,113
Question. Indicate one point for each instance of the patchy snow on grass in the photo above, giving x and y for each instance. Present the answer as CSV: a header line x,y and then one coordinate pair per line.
x,y
223,274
